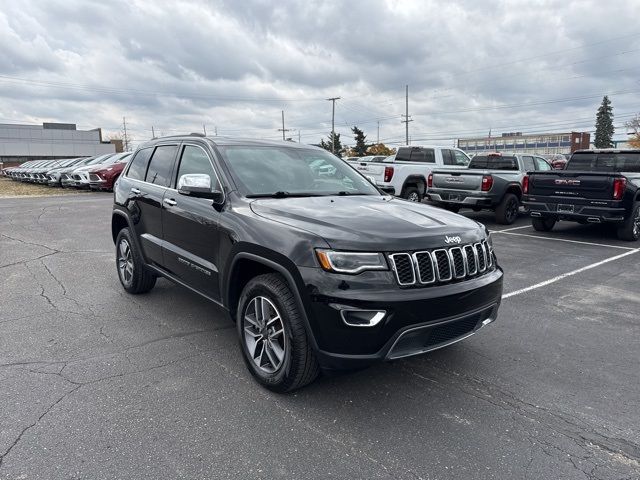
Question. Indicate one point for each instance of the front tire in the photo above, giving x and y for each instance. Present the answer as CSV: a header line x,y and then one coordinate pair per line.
x,y
507,211
272,335
132,272
543,224
630,229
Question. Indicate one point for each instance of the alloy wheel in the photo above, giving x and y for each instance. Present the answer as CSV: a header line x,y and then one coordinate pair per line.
x,y
413,197
636,224
125,262
264,334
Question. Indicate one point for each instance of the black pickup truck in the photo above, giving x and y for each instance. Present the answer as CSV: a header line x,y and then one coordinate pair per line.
x,y
597,186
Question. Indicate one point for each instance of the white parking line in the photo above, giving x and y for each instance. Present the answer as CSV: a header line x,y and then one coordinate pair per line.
x,y
563,240
574,272
509,229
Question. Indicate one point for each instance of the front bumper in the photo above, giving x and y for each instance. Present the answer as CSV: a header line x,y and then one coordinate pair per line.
x,y
417,320
453,197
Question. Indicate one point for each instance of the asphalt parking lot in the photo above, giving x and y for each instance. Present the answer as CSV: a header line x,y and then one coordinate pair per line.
x,y
100,384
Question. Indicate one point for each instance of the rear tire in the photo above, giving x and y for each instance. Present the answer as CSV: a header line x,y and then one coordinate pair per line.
x,y
507,211
132,272
630,229
412,194
281,363
543,224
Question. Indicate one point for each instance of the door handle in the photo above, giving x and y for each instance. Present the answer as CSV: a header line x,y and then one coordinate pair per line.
x,y
170,201
135,190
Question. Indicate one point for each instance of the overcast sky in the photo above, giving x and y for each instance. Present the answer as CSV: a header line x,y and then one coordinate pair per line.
x,y
470,65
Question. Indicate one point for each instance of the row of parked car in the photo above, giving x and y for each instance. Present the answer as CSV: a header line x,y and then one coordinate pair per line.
x,y
98,172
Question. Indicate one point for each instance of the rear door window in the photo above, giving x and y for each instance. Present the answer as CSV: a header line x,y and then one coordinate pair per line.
x,y
138,166
447,157
461,159
161,165
529,164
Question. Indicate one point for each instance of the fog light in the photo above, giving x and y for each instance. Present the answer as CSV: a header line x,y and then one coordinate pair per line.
x,y
362,318
487,322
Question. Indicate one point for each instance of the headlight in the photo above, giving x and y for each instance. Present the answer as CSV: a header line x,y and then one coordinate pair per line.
x,y
350,262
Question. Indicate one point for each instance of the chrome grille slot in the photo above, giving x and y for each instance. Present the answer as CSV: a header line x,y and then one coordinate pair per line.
x,y
426,270
457,262
489,254
403,267
443,265
471,257
482,261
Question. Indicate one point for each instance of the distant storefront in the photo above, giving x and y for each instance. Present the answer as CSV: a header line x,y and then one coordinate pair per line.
x,y
539,143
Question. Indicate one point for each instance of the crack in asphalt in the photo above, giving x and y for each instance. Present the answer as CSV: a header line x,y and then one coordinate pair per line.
x,y
78,385
568,426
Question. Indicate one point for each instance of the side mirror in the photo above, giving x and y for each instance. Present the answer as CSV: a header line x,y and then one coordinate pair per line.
x,y
199,185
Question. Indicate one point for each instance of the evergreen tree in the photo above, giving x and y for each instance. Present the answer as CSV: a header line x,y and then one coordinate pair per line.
x,y
360,149
338,144
604,125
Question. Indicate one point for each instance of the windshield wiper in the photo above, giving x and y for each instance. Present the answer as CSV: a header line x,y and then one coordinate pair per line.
x,y
344,193
283,194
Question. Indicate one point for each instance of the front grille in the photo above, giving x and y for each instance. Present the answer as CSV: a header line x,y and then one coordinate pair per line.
x,y
64,176
75,177
403,266
94,178
443,264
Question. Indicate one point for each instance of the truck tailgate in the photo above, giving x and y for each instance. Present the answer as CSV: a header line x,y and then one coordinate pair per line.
x,y
572,184
458,180
373,170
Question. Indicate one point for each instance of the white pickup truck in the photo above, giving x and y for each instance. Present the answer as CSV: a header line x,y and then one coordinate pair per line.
x,y
405,173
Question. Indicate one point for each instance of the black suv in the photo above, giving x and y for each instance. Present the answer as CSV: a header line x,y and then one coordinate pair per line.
x,y
319,269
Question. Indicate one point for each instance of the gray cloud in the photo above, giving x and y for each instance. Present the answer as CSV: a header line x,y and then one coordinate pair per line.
x,y
235,65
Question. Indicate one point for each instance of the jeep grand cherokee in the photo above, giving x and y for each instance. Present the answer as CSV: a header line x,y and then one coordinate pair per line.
x,y
319,269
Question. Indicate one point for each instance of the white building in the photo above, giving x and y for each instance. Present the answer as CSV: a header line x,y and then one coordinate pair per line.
x,y
19,143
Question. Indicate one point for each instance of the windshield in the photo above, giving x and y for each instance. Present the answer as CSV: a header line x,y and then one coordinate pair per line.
x,y
284,171
605,162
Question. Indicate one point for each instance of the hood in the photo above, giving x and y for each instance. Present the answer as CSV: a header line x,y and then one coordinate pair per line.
x,y
371,222
111,167
86,168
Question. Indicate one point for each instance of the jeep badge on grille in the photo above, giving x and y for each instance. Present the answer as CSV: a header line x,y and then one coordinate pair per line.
x,y
448,240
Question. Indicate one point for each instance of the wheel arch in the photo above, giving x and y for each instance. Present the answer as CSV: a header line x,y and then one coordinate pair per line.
x,y
514,188
415,180
246,265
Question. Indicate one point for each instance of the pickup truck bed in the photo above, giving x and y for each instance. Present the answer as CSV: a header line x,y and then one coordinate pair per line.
x,y
589,191
493,181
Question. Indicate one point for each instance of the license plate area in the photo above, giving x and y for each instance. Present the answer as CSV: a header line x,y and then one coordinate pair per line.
x,y
454,198
565,208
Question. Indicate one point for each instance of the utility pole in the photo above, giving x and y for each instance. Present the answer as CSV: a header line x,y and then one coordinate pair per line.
x,y
204,129
378,140
406,116
153,133
333,124
125,137
215,131
283,130
299,137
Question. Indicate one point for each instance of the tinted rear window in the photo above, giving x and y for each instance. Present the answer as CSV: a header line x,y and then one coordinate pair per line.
x,y
605,162
161,165
416,154
138,167
494,162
